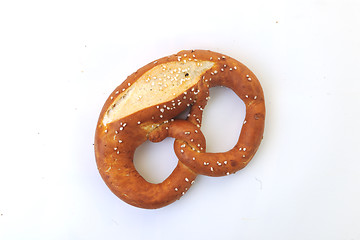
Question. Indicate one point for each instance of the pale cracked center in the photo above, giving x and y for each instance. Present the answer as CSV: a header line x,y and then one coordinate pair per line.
x,y
160,84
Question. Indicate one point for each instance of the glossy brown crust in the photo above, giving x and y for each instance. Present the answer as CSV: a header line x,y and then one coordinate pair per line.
x,y
116,142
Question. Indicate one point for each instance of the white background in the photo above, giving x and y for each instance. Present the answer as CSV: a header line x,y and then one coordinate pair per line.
x,y
59,60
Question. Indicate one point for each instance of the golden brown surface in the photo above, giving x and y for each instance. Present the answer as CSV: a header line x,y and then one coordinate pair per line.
x,y
143,107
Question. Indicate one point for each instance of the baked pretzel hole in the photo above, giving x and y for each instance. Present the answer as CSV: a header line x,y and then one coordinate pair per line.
x,y
223,133
155,161
184,114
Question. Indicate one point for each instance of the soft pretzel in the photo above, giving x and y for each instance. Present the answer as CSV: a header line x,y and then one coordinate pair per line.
x,y
143,108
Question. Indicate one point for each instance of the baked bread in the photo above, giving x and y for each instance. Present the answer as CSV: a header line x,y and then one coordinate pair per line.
x,y
143,108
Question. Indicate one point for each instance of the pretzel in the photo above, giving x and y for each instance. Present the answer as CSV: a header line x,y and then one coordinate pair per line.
x,y
143,108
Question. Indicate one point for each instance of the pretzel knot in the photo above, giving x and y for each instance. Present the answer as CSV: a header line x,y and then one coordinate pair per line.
x,y
143,108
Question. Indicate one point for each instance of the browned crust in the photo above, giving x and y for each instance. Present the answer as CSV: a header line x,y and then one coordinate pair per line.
x,y
115,160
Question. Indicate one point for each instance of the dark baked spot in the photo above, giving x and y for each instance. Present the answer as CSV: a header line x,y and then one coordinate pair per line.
x,y
257,116
233,163
186,74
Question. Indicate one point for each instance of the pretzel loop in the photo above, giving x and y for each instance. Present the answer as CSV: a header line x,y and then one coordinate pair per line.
x,y
225,163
